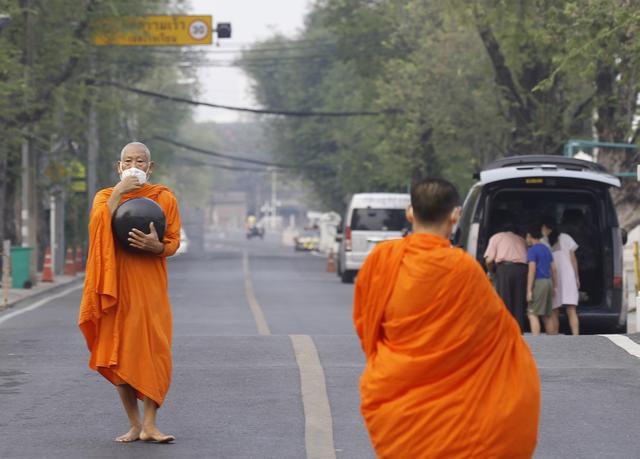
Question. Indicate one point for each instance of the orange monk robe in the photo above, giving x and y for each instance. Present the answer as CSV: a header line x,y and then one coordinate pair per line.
x,y
125,314
448,374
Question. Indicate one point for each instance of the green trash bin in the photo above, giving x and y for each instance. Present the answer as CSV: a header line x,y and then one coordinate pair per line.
x,y
20,264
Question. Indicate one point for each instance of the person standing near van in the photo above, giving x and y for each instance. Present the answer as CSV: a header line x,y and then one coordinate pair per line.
x,y
508,252
447,373
563,248
541,281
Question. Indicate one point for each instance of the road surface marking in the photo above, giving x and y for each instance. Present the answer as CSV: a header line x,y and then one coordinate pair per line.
x,y
256,310
318,424
37,304
625,343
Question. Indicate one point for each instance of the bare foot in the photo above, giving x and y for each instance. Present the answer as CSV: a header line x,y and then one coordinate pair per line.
x,y
154,435
132,435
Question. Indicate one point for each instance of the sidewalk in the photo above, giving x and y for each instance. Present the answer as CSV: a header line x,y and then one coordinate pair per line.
x,y
18,296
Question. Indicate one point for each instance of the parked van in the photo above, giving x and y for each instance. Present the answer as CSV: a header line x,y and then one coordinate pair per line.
x,y
576,194
370,218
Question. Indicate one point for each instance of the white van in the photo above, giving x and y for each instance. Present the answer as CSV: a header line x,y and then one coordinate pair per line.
x,y
370,218
573,193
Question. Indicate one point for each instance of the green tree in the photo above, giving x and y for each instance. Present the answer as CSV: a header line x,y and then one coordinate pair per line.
x,y
468,82
47,85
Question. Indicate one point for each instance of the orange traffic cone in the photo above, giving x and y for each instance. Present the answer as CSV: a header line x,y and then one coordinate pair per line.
x,y
331,262
69,263
79,267
47,270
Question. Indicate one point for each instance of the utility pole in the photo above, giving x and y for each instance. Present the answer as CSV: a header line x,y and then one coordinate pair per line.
x,y
93,146
3,187
29,202
26,193
5,19
93,143
274,197
53,243
6,272
26,186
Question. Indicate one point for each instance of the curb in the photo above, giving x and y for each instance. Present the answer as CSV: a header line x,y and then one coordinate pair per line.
x,y
43,294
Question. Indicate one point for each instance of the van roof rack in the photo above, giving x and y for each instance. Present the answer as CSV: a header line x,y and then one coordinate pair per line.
x,y
539,160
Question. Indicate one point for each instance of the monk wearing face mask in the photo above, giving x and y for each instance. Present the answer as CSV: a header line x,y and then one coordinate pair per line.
x,y
447,374
125,315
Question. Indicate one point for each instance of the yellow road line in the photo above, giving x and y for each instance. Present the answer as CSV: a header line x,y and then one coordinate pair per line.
x,y
256,310
318,424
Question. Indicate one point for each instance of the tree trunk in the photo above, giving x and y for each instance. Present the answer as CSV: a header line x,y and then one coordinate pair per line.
x,y
518,109
613,125
3,189
426,161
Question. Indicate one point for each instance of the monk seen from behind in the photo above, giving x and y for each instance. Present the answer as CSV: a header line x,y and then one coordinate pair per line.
x,y
447,374
125,314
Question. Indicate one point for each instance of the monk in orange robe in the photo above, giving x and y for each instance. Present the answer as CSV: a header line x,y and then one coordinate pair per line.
x,y
125,314
447,374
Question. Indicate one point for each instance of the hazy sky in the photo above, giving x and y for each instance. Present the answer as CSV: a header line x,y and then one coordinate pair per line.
x,y
251,20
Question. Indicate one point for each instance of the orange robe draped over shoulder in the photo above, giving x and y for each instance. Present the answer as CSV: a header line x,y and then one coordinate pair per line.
x,y
125,314
448,374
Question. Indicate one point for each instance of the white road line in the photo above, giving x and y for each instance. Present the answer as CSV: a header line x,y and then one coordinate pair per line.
x,y
318,424
38,304
256,310
625,343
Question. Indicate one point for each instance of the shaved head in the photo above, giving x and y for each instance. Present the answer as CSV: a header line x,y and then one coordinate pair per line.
x,y
135,146
433,200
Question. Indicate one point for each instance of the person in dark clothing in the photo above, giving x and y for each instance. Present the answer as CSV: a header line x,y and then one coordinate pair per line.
x,y
508,252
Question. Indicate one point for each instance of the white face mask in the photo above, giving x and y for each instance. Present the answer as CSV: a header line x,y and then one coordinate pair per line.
x,y
139,174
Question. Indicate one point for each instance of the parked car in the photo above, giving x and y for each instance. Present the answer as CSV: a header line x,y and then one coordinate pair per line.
x,y
309,240
370,218
576,194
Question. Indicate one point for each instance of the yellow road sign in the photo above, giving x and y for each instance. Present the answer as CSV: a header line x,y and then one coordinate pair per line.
x,y
153,31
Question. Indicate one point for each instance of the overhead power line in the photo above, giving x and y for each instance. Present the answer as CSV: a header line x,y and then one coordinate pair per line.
x,y
261,46
246,50
278,60
299,114
225,167
223,155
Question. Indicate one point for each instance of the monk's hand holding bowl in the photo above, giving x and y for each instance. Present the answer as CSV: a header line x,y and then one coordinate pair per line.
x,y
148,242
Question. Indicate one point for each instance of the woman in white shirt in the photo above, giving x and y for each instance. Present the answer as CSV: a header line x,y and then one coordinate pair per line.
x,y
566,293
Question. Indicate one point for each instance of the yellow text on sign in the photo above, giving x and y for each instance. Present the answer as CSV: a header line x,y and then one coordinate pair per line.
x,y
153,31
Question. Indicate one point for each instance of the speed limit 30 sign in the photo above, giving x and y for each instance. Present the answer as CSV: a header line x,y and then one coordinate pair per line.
x,y
199,30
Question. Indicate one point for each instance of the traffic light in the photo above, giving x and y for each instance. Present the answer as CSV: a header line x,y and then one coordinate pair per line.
x,y
224,30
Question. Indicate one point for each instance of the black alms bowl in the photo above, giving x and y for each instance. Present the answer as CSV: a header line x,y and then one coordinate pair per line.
x,y
137,213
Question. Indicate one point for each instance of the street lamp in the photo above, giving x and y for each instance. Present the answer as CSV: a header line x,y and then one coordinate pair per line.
x,y
5,19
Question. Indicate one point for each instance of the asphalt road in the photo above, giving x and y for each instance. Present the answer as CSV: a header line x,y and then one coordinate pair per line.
x,y
237,393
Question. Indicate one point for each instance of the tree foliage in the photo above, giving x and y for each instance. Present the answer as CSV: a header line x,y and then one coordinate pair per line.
x,y
471,81
48,73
